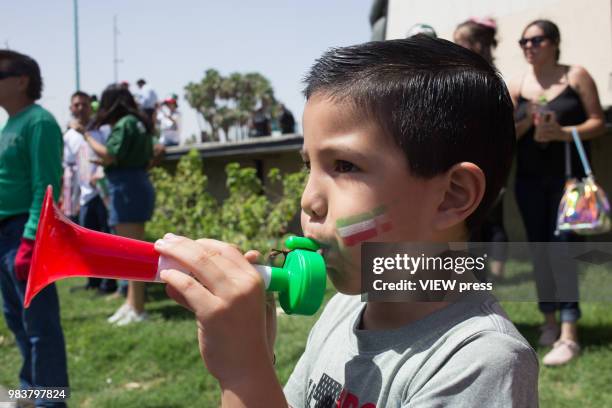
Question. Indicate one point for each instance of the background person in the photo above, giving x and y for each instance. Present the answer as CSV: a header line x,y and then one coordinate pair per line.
x,y
146,98
286,120
378,19
169,119
78,158
30,160
478,35
260,122
572,98
126,156
421,28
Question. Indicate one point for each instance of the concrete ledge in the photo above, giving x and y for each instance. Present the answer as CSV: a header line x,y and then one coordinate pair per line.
x,y
251,146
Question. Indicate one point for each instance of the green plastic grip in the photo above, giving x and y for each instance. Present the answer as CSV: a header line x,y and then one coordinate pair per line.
x,y
300,282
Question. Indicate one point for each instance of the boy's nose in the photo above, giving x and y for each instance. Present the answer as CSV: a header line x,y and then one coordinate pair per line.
x,y
313,202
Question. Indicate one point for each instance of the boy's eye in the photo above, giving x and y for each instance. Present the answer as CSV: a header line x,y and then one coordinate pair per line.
x,y
343,166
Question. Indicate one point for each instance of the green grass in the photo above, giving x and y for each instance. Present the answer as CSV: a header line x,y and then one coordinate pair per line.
x,y
157,364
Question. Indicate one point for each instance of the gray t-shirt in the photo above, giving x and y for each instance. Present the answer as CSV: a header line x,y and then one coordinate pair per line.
x,y
467,354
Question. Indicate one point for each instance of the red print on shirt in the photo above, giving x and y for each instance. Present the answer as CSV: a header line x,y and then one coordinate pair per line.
x,y
329,393
348,400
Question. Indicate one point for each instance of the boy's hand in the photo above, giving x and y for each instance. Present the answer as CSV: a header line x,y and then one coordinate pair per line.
x,y
254,257
227,296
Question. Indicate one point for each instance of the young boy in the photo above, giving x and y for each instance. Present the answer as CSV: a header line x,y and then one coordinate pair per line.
x,y
424,128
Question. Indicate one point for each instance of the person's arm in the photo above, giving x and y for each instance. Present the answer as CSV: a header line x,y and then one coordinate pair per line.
x,y
227,297
589,96
490,369
45,151
99,149
591,128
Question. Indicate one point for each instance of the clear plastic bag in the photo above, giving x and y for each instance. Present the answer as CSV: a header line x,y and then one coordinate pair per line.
x,y
584,208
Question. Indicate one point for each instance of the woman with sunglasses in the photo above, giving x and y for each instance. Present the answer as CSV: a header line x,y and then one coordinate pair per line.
x,y
126,156
550,98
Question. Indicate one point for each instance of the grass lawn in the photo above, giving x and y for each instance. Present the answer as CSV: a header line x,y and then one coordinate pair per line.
x,y
157,364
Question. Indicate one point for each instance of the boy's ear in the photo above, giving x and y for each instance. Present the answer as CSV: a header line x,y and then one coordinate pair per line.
x,y
464,186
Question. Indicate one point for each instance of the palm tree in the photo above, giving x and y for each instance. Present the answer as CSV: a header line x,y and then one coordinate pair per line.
x,y
226,102
203,97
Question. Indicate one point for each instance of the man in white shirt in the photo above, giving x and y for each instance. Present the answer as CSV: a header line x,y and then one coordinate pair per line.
x,y
168,118
146,98
81,177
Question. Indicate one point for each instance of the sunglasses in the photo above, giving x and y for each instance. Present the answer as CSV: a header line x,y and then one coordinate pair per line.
x,y
8,74
535,41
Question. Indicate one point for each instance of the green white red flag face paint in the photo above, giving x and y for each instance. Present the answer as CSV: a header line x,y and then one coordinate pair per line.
x,y
362,227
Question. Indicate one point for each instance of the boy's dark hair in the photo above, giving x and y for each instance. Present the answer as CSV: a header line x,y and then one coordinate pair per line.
x,y
23,65
80,94
117,102
441,103
551,31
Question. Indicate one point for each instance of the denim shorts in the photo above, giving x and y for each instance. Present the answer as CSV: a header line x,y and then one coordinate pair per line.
x,y
132,196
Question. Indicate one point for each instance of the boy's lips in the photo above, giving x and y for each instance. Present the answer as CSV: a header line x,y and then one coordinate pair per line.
x,y
328,249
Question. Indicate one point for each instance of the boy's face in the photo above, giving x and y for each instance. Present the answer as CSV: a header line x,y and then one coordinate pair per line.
x,y
356,173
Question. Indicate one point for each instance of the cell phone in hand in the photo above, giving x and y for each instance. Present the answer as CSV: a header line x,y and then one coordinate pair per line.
x,y
548,116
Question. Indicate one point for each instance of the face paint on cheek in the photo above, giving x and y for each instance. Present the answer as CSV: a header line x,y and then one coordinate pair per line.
x,y
362,227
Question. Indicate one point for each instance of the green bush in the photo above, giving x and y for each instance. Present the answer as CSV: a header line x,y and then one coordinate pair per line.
x,y
252,216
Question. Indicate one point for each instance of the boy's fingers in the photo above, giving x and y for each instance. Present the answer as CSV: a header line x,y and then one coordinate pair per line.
x,y
253,256
207,266
192,295
230,251
231,261
177,297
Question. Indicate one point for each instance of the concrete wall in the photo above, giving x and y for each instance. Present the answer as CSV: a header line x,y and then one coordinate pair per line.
x,y
586,29
586,39
214,167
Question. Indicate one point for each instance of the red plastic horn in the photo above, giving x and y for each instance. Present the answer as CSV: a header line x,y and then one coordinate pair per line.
x,y
64,249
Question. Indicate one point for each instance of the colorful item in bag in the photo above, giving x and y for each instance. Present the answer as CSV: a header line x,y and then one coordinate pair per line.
x,y
584,208
362,227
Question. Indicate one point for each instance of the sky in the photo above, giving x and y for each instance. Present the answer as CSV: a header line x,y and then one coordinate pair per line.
x,y
171,43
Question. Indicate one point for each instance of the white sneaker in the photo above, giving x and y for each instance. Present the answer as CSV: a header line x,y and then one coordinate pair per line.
x,y
132,317
562,353
119,314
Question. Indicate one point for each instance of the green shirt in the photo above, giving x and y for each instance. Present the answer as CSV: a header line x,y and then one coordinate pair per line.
x,y
130,144
31,148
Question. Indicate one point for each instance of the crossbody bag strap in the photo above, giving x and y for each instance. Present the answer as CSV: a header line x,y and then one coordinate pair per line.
x,y
581,153
568,161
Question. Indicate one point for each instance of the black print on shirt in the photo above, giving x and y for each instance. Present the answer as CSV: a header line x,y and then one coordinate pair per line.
x,y
325,393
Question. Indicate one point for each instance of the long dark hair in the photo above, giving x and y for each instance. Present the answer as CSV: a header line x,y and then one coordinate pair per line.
x,y
551,31
117,102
